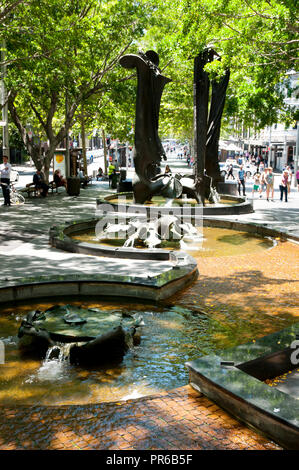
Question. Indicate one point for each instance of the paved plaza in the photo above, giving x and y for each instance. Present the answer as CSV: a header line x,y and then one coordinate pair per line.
x,y
249,288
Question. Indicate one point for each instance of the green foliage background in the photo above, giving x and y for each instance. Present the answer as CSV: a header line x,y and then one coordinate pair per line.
x,y
56,48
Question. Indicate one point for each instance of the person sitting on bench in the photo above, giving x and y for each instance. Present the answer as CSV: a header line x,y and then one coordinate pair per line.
x,y
58,179
100,173
40,184
83,179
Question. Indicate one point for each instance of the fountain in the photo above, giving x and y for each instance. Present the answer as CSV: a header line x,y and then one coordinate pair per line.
x,y
78,334
148,180
150,234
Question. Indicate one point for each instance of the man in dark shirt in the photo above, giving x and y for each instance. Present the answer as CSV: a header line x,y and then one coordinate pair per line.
x,y
38,180
241,180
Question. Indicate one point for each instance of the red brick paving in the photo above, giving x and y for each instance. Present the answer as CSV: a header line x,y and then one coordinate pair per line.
x,y
260,291
177,420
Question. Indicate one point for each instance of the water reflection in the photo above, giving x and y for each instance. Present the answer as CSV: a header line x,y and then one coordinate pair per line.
x,y
169,338
211,242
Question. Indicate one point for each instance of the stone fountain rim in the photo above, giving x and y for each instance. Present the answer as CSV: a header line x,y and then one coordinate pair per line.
x,y
59,239
242,206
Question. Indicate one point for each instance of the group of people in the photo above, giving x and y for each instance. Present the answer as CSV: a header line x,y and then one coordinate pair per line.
x,y
42,187
252,159
265,181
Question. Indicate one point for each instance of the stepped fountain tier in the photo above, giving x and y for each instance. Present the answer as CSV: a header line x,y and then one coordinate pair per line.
x,y
159,205
82,335
164,239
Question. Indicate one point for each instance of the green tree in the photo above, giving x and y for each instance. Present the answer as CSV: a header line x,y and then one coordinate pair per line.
x,y
257,41
61,48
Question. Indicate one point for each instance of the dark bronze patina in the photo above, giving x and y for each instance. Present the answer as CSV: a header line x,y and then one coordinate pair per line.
x,y
148,151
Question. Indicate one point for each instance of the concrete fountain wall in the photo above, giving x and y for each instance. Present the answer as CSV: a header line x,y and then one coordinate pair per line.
x,y
241,206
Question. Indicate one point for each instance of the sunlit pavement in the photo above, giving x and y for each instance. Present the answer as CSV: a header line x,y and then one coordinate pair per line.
x,y
175,420
178,419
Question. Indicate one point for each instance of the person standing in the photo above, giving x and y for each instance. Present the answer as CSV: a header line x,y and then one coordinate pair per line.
x,y
283,186
114,179
110,171
241,180
5,169
256,184
263,184
297,178
269,179
290,175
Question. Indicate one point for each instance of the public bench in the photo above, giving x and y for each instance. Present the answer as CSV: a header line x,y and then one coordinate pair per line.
x,y
87,180
30,189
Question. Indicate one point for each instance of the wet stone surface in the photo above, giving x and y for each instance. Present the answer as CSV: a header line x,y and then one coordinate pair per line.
x,y
246,297
175,420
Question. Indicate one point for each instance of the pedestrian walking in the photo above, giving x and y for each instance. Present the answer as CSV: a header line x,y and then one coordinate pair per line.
x,y
290,175
5,169
263,185
297,178
241,180
283,186
230,172
269,180
256,184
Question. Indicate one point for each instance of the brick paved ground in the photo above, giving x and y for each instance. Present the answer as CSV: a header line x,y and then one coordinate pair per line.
x,y
251,295
257,293
177,420
254,293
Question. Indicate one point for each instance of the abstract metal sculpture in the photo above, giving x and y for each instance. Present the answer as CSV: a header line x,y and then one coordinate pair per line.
x,y
148,151
207,121
151,233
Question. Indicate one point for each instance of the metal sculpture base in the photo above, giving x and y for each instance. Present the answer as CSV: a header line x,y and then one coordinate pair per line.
x,y
173,187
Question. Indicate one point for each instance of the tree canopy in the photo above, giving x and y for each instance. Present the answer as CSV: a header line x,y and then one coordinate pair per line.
x,y
66,50
58,49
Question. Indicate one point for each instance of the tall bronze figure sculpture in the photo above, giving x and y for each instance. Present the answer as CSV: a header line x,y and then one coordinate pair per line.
x,y
148,151
207,121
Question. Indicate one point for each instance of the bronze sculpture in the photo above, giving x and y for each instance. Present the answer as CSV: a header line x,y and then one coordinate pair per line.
x,y
148,151
207,121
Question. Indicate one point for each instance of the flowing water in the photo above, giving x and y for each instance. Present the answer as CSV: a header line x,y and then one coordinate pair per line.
x,y
162,201
187,326
170,336
210,241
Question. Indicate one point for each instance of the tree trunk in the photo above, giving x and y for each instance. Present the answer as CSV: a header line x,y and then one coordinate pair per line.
x,y
105,151
83,140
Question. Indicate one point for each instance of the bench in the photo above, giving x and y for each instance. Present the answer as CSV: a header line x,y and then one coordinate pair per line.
x,y
31,189
87,180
